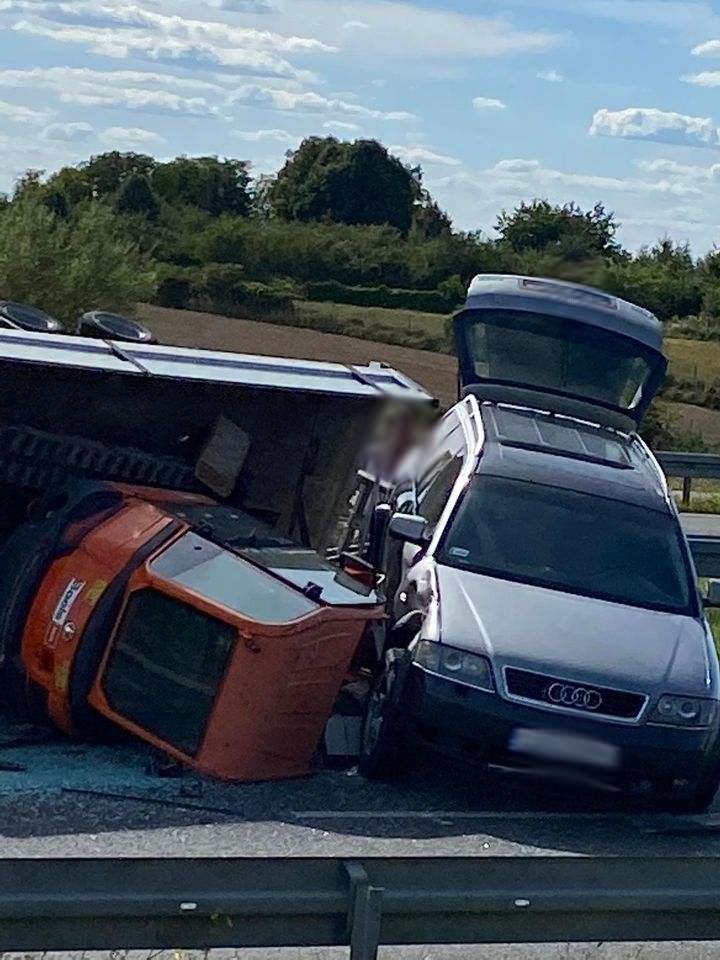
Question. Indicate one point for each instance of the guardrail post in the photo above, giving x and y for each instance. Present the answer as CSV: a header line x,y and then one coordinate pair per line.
x,y
687,490
364,913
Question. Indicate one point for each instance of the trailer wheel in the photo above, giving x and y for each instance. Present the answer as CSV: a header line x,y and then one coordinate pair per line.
x,y
24,317
113,326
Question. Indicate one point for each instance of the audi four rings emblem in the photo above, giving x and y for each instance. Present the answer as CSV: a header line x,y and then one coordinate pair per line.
x,y
565,695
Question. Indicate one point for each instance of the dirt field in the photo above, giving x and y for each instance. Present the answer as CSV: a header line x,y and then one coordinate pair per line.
x,y
185,328
435,371
692,419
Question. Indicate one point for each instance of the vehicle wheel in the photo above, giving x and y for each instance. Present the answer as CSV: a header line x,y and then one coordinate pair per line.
x,y
386,751
113,326
700,799
24,317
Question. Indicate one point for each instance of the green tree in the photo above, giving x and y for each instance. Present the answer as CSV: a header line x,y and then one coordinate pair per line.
x,y
663,278
70,186
567,231
208,183
356,183
107,172
137,196
66,266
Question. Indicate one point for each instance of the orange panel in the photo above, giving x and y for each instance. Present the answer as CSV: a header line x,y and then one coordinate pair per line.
x,y
277,694
71,588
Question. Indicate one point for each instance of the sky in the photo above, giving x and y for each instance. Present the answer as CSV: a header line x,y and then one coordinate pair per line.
x,y
499,101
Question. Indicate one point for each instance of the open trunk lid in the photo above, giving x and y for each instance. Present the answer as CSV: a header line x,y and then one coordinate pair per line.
x,y
559,346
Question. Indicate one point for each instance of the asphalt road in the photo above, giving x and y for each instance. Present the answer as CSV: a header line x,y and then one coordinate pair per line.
x,y
47,808
704,524
63,798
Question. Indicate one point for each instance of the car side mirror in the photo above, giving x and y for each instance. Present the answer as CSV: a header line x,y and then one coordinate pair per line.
x,y
712,599
411,528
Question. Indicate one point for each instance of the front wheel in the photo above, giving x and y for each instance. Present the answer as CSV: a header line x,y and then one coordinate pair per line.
x,y
702,796
386,751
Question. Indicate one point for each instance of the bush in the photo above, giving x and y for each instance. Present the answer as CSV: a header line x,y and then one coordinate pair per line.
x,y
220,288
251,300
216,280
174,292
68,265
660,432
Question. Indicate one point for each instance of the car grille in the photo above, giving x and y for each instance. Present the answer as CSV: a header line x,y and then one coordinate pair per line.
x,y
561,694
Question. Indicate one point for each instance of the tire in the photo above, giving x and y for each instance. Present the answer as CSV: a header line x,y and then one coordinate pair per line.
x,y
24,317
386,751
113,326
702,796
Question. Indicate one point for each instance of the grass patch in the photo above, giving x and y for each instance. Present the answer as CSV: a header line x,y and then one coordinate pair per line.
x,y
694,359
714,621
703,503
404,328
432,324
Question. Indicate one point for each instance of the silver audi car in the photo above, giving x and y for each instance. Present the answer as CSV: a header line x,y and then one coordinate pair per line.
x,y
546,611
543,602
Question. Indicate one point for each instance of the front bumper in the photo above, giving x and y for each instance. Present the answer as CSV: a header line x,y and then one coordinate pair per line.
x,y
476,726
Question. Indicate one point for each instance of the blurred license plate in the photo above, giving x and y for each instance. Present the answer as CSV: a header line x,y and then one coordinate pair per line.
x,y
554,745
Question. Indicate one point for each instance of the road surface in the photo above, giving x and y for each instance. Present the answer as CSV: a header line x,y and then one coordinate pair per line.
x,y
54,801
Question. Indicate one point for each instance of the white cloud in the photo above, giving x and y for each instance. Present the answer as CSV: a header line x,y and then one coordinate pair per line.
x,y
114,13
20,114
711,48
307,101
656,198
423,155
340,126
688,18
120,30
127,89
356,25
708,78
681,171
128,138
409,31
120,44
257,136
550,76
245,6
661,126
67,132
487,103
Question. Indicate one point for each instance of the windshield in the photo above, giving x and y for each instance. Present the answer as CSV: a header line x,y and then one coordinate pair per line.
x,y
549,352
571,542
166,666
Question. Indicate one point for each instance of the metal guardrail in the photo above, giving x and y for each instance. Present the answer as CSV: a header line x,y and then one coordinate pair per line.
x,y
689,466
97,904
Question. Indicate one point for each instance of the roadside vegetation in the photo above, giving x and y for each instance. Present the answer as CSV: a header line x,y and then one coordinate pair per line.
x,y
344,238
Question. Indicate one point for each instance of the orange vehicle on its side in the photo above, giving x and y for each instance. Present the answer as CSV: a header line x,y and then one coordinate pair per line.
x,y
186,622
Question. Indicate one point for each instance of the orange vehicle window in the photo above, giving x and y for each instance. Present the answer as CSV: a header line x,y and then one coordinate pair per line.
x,y
166,666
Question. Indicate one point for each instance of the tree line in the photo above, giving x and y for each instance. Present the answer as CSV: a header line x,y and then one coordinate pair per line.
x,y
348,214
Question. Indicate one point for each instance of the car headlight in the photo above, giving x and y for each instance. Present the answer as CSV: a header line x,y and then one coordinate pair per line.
x,y
470,668
677,711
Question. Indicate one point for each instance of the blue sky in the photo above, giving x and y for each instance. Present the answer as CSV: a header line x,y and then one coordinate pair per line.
x,y
499,100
